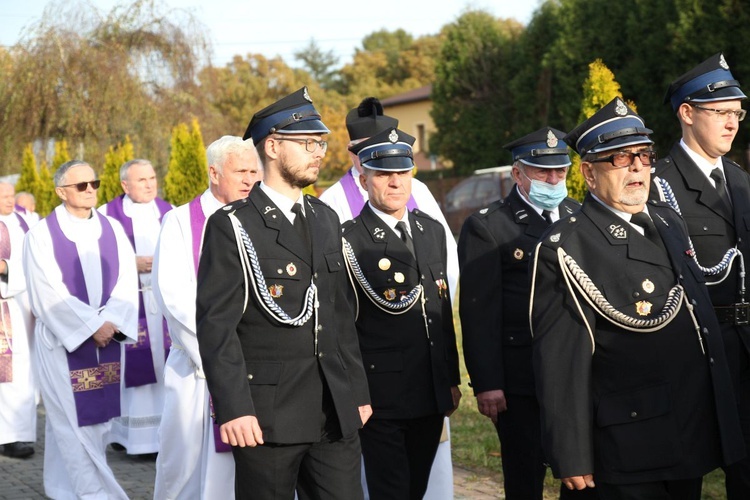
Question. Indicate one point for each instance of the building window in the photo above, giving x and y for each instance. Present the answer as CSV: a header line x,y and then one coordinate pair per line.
x,y
421,139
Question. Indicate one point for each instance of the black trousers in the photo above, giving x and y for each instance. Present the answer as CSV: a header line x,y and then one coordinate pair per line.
x,y
398,455
738,474
686,489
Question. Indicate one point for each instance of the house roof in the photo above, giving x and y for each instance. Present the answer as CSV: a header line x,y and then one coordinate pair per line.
x,y
420,94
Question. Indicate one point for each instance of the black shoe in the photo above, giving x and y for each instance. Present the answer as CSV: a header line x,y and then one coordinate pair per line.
x,y
18,450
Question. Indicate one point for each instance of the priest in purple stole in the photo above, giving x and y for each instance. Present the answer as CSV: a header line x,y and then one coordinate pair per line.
x,y
193,463
347,198
82,284
142,383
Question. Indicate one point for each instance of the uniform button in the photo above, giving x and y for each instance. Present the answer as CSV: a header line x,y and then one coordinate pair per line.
x,y
315,275
426,299
705,228
372,367
511,338
705,330
636,294
320,354
423,276
711,361
429,321
432,343
280,271
250,376
694,302
633,414
681,277
320,328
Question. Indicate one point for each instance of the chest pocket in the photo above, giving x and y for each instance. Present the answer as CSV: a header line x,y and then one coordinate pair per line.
x,y
335,261
280,269
624,292
706,226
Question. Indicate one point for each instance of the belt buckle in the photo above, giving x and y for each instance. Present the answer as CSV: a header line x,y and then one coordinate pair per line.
x,y
742,314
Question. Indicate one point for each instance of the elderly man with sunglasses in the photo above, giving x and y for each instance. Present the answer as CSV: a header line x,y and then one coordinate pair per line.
x,y
630,368
713,195
82,284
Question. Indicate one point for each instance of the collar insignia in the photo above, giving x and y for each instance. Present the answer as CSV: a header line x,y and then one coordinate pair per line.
x,y
618,231
268,209
483,211
379,233
419,226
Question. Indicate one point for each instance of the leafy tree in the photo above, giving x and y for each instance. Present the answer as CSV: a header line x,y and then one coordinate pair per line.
x,y
321,65
29,178
110,187
187,173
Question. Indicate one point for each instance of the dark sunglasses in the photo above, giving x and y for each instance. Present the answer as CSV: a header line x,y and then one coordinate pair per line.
x,y
81,186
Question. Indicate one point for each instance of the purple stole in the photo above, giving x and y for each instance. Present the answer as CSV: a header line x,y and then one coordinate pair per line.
x,y
22,222
94,372
197,223
139,363
355,199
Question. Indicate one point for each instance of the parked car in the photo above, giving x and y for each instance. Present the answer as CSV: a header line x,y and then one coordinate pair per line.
x,y
476,192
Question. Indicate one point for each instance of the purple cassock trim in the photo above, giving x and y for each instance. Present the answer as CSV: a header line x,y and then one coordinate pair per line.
x,y
139,361
94,372
355,199
22,221
197,223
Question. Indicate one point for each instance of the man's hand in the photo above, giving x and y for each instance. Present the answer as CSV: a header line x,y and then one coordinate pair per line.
x,y
104,334
242,431
365,412
490,403
456,395
579,482
144,263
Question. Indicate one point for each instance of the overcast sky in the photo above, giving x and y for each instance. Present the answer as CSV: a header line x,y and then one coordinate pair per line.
x,y
283,27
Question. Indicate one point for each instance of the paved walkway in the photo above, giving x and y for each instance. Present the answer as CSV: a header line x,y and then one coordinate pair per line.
x,y
22,479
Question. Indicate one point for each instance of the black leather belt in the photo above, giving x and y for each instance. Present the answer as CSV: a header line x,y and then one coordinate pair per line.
x,y
735,314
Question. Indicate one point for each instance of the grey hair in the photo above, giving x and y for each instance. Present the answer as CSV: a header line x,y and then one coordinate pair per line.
x,y
59,177
126,166
25,193
218,151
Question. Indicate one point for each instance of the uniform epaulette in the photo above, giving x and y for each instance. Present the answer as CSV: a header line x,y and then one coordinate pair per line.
x,y
557,234
348,226
235,205
418,213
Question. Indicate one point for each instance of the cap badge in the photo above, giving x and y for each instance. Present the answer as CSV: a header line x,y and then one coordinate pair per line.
x,y
399,277
551,139
390,294
618,231
291,269
384,264
648,286
306,95
518,254
555,238
419,226
643,307
276,291
393,136
620,108
723,62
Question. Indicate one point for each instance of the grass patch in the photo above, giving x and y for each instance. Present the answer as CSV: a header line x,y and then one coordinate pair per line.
x,y
475,445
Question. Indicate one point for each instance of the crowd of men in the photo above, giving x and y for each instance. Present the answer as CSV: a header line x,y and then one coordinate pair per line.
x,y
263,343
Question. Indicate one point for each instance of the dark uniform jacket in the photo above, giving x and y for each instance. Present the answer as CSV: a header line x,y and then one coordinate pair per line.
x,y
493,250
410,368
712,229
628,406
253,364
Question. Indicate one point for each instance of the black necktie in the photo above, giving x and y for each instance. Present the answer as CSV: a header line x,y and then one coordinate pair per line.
x,y
401,226
547,216
642,219
721,186
300,224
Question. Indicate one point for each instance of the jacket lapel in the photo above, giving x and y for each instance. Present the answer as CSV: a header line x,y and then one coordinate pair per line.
x,y
274,219
696,181
524,215
384,235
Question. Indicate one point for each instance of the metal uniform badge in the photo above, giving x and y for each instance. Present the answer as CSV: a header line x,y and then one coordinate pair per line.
x,y
379,233
620,108
276,291
518,254
618,231
555,238
551,139
483,211
419,226
643,307
648,286
390,294
291,269
399,277
393,136
384,264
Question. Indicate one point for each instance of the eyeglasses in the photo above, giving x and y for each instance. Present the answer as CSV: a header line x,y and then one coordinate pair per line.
x,y
81,186
310,144
623,159
722,115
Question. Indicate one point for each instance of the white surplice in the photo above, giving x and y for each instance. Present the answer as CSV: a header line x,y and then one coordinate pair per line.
x,y
18,398
137,428
75,464
440,486
187,467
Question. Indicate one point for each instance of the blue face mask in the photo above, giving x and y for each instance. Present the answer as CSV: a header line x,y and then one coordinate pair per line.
x,y
546,196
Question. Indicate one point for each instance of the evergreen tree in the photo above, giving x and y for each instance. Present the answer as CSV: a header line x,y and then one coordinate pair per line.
x,y
61,155
598,90
46,198
110,187
29,179
187,171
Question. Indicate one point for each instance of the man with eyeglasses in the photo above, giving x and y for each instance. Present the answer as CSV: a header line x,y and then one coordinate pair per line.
x,y
140,212
82,284
712,193
494,250
631,373
275,327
